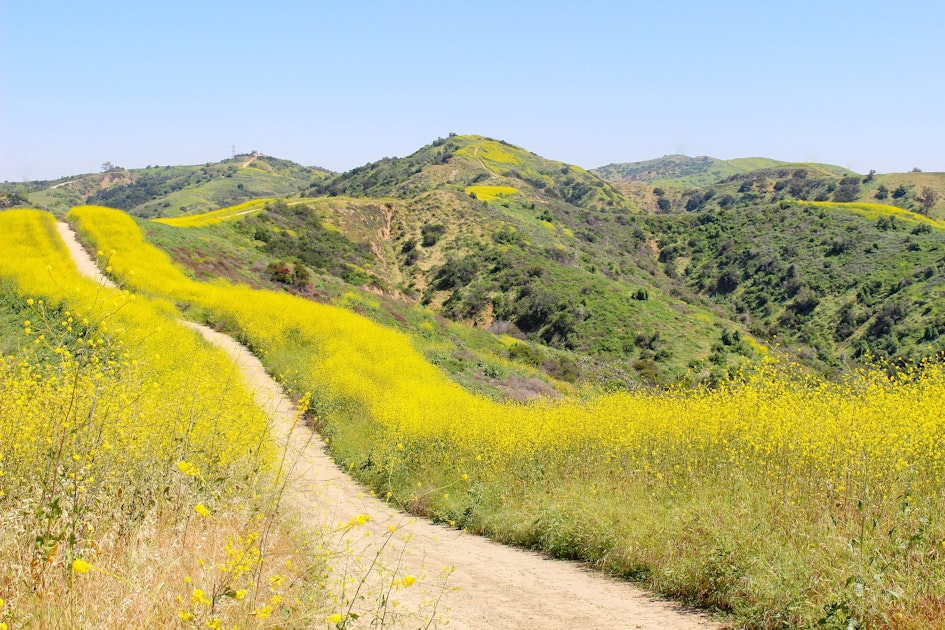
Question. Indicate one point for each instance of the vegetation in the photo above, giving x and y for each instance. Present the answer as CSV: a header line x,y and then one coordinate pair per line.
x,y
218,216
129,506
101,469
162,191
729,487
791,323
807,284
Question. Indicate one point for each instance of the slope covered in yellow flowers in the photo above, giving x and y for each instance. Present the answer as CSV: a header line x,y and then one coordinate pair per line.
x,y
733,497
139,484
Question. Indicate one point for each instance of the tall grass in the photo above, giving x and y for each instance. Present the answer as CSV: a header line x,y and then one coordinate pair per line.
x,y
786,501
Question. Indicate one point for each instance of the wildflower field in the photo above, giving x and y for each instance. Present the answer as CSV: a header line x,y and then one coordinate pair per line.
x,y
139,485
784,500
490,193
217,216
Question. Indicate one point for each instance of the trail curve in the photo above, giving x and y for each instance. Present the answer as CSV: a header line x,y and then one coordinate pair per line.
x,y
489,585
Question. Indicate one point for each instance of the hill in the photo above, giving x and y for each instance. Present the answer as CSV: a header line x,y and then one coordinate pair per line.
x,y
488,233
545,256
679,183
158,191
841,280
682,170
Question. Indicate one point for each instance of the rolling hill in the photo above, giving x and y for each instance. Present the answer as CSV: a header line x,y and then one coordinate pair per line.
x,y
158,191
681,183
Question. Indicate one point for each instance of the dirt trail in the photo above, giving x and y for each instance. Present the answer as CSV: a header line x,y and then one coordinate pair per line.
x,y
83,261
490,585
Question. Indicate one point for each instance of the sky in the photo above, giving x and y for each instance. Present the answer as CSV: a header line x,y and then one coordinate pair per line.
x,y
340,84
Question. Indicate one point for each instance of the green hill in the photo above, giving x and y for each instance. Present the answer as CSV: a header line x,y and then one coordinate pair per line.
x,y
839,281
545,255
158,191
681,184
685,171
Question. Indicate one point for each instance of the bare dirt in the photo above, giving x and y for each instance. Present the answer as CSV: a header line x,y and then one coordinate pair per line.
x,y
488,585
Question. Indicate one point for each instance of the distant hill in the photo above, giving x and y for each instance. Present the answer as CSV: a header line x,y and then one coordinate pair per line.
x,y
678,183
682,170
158,191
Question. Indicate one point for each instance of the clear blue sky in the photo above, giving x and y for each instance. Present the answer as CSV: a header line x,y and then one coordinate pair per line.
x,y
859,84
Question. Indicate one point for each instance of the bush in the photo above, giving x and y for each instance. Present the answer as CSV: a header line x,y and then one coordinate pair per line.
x,y
524,353
431,233
280,272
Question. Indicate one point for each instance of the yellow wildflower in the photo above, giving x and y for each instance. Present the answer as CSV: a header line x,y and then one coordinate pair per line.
x,y
187,468
197,596
81,566
263,613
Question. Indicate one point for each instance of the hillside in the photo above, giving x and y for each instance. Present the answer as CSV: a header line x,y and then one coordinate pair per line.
x,y
710,495
157,191
682,170
677,183
492,235
553,270
841,280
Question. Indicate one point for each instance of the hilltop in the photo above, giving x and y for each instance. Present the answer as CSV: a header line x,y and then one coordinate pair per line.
x,y
682,170
677,183
158,191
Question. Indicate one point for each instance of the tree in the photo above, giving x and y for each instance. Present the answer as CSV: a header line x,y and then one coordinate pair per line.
x,y
107,166
882,192
900,192
927,198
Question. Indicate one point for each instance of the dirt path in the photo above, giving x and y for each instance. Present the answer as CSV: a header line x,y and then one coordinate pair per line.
x,y
83,261
489,585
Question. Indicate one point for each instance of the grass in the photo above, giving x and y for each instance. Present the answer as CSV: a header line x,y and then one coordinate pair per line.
x,y
730,498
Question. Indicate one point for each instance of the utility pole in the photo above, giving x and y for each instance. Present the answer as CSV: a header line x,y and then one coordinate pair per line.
x,y
233,150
